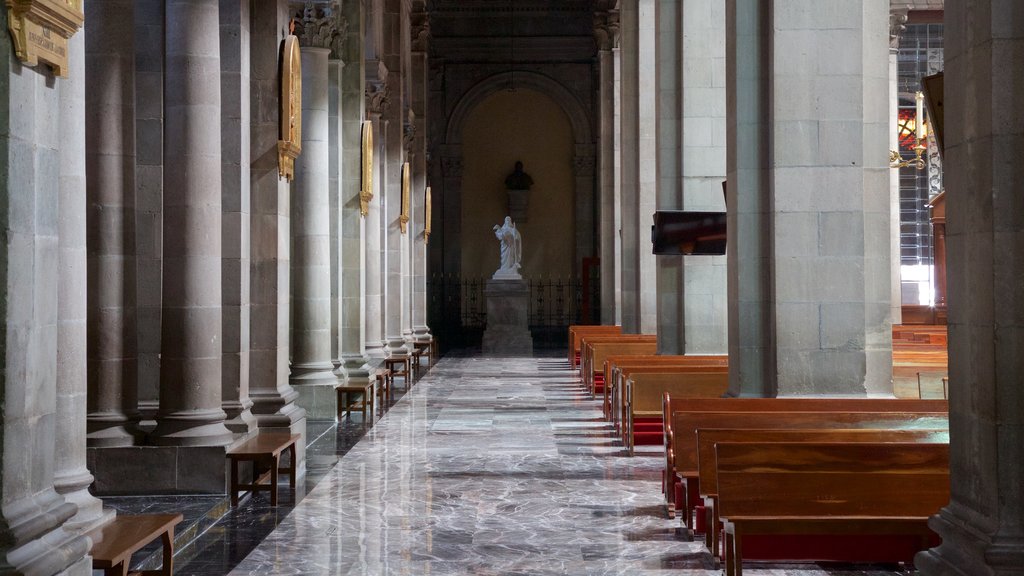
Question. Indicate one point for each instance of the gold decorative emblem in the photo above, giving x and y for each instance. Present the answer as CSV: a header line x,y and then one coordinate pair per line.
x,y
426,218
366,194
290,145
41,28
403,218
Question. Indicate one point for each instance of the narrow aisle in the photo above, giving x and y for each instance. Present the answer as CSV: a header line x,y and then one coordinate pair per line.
x,y
489,466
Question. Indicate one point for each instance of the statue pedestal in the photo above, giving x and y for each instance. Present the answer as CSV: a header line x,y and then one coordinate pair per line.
x,y
508,331
518,204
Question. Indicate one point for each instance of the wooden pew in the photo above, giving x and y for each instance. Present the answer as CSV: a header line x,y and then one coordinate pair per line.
x,y
618,367
683,477
576,333
708,473
596,348
645,391
115,542
850,502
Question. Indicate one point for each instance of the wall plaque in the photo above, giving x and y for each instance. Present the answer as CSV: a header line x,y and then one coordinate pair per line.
x,y
41,28
403,218
290,145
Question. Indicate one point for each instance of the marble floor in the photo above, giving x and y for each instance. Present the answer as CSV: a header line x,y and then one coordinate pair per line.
x,y
490,467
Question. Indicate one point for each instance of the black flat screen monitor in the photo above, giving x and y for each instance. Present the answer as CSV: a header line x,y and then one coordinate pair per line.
x,y
678,232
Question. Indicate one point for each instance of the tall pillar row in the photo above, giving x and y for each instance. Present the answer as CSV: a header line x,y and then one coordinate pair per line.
x,y
312,368
192,335
110,157
982,528
606,33
270,259
638,166
71,475
691,167
378,101
235,201
34,517
808,199
420,36
353,226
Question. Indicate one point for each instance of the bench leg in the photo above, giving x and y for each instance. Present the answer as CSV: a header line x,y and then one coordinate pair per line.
x,y
275,463
293,471
234,482
168,542
119,570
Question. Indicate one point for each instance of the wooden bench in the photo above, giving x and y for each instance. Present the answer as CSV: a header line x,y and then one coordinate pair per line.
x,y
707,439
400,366
849,502
114,543
576,333
644,397
671,486
385,393
597,348
264,450
618,366
352,397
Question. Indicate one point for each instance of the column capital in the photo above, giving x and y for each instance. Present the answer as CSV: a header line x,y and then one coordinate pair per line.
x,y
378,89
606,29
420,34
897,25
320,25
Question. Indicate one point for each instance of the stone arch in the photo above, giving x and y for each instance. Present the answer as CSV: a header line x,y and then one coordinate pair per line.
x,y
584,161
573,108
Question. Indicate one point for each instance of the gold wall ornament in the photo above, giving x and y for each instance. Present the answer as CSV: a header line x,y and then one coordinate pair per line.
x,y
403,218
366,193
426,217
40,30
290,145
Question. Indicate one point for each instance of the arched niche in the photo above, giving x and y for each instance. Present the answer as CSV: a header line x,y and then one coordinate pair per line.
x,y
452,165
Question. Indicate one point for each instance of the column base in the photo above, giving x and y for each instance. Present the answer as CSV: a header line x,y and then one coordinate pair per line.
x,y
357,369
396,347
143,470
240,419
191,428
422,334
74,487
319,400
964,551
376,351
37,540
110,431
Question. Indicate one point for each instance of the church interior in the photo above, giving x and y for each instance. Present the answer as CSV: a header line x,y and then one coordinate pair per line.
x,y
512,287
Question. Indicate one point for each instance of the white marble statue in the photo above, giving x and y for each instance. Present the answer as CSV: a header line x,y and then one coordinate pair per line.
x,y
511,250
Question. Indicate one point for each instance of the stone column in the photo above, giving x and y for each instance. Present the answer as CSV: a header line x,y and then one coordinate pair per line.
x,y
392,301
71,476
897,24
149,187
32,518
606,33
273,397
420,181
335,69
353,255
982,528
808,200
378,101
110,157
639,166
691,167
192,335
235,202
312,371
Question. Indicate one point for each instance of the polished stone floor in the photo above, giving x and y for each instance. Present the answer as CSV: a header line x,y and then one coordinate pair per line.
x,y
487,467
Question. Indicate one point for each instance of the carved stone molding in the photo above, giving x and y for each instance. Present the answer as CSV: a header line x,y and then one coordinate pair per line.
x,y
316,24
583,166
420,23
606,29
378,90
452,166
897,25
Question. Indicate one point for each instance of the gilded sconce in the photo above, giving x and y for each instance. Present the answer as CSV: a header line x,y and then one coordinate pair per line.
x,y
403,218
366,193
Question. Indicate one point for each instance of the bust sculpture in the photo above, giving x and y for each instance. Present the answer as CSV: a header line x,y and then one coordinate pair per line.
x,y
511,250
518,180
